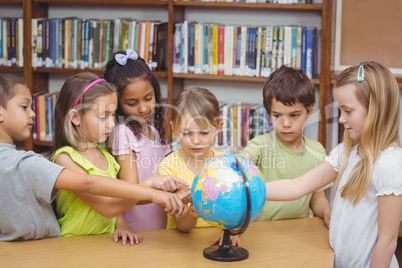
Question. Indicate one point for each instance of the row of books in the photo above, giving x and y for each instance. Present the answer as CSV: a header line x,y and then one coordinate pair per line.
x,y
241,123
11,42
258,1
43,104
90,43
207,48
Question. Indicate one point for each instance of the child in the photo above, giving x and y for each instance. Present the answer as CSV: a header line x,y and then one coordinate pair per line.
x,y
195,121
137,145
288,97
367,206
29,181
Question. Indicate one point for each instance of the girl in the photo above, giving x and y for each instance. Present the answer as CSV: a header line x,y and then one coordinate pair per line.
x,y
367,206
195,121
84,118
139,142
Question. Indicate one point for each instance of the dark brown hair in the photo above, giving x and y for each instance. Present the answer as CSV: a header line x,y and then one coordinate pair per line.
x,y
123,75
7,87
289,86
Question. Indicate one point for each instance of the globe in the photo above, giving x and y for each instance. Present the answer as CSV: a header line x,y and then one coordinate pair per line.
x,y
219,194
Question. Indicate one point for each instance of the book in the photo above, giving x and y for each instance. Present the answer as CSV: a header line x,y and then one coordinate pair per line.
x,y
310,51
161,47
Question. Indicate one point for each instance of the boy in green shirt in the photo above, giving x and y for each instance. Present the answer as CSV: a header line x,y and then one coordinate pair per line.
x,y
284,153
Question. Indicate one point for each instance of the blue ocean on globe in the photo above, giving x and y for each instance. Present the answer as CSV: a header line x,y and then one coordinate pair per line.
x,y
219,194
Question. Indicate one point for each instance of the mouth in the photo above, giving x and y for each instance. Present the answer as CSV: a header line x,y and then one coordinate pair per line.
x,y
145,115
196,149
287,133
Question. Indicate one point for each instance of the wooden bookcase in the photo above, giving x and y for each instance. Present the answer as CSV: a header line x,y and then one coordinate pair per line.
x,y
38,79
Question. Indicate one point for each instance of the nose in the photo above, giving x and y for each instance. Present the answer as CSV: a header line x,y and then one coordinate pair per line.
x,y
32,113
111,122
286,122
195,139
342,119
142,108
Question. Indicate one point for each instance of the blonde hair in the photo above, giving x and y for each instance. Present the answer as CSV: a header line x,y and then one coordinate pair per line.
x,y
66,133
379,94
200,103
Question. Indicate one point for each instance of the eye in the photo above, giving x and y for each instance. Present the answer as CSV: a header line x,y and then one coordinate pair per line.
x,y
25,107
132,104
185,133
295,115
348,111
205,132
276,115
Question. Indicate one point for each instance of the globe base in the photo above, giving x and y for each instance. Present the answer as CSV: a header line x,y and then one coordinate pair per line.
x,y
225,253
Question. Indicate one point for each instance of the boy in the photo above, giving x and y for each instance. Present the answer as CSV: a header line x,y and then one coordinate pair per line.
x,y
29,181
288,97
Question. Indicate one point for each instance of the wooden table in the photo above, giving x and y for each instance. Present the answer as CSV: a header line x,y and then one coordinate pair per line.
x,y
287,243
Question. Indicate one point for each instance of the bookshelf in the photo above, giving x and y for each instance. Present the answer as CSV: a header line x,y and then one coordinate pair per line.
x,y
176,11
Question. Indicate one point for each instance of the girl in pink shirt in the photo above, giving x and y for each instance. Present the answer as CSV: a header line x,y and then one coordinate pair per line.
x,y
139,142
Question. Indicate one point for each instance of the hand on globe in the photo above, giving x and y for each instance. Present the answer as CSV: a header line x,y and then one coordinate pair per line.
x,y
186,192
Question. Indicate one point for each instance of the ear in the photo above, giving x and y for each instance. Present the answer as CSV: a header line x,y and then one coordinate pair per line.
x,y
74,117
220,125
1,114
310,111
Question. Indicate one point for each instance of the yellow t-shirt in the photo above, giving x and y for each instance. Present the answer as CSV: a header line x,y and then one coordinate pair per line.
x,y
174,165
74,216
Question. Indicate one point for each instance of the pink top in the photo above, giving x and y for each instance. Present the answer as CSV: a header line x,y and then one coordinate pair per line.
x,y
148,155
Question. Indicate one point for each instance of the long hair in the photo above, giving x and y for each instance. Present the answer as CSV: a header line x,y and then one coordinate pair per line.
x,y
123,75
379,94
66,133
200,103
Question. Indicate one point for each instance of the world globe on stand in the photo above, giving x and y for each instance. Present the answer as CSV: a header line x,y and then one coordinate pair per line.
x,y
224,198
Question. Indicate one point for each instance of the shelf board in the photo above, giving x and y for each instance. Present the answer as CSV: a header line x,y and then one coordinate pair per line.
x,y
11,1
315,81
250,5
75,71
43,143
114,2
10,69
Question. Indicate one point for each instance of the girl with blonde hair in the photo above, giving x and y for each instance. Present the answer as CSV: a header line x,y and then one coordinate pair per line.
x,y
367,205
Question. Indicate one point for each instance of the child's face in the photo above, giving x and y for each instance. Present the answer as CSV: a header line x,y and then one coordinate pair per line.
x,y
195,140
289,122
353,113
17,120
98,122
138,100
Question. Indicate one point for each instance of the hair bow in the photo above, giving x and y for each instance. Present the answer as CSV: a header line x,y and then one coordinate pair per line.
x,y
122,59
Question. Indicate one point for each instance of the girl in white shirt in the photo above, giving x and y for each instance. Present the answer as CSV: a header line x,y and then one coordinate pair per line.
x,y
367,167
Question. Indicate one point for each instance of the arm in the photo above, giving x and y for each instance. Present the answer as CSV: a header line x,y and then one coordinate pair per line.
x,y
320,206
100,185
187,221
314,179
389,218
105,206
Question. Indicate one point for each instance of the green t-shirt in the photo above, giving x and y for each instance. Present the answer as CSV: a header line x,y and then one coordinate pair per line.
x,y
74,216
278,162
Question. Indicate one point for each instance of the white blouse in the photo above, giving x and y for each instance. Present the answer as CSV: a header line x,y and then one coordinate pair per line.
x,y
353,229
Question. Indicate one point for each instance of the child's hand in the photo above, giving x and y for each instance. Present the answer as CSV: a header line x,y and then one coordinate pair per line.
x,y
126,233
184,190
193,212
167,183
327,217
234,239
172,202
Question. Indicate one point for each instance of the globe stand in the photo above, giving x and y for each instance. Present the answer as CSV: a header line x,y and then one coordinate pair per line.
x,y
225,252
